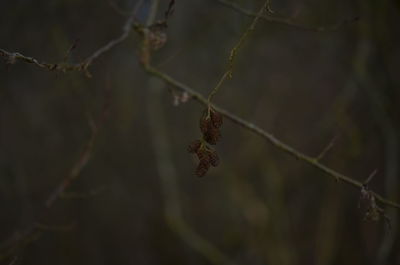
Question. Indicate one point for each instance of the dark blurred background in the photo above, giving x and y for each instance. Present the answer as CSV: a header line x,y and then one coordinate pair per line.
x,y
138,200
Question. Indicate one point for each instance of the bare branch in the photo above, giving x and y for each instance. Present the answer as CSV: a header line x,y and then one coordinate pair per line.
x,y
269,137
13,57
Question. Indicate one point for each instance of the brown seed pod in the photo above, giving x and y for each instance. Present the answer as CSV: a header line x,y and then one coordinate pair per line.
x,y
202,168
216,118
194,146
213,158
212,136
209,124
204,124
202,155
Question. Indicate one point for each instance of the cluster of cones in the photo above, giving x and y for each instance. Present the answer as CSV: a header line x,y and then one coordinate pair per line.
x,y
210,124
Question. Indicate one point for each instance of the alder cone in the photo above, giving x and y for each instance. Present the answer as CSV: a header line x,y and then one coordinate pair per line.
x,y
209,126
202,155
202,168
216,118
214,159
204,123
210,123
212,136
194,146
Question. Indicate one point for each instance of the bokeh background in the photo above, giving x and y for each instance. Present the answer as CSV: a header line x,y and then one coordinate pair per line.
x,y
138,201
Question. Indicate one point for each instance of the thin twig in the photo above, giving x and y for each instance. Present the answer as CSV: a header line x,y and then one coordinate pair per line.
x,y
368,180
235,49
13,57
269,137
285,21
125,33
82,195
326,149
75,170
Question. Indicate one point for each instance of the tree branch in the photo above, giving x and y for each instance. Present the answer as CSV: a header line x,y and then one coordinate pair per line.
x,y
269,137
13,57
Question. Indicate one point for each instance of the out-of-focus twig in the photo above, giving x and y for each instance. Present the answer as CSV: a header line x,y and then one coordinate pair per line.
x,y
283,20
82,195
118,9
80,163
23,238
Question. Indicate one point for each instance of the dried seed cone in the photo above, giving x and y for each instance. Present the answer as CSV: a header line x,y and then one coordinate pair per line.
x,y
194,146
204,124
216,118
212,136
202,168
213,158
209,124
202,155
